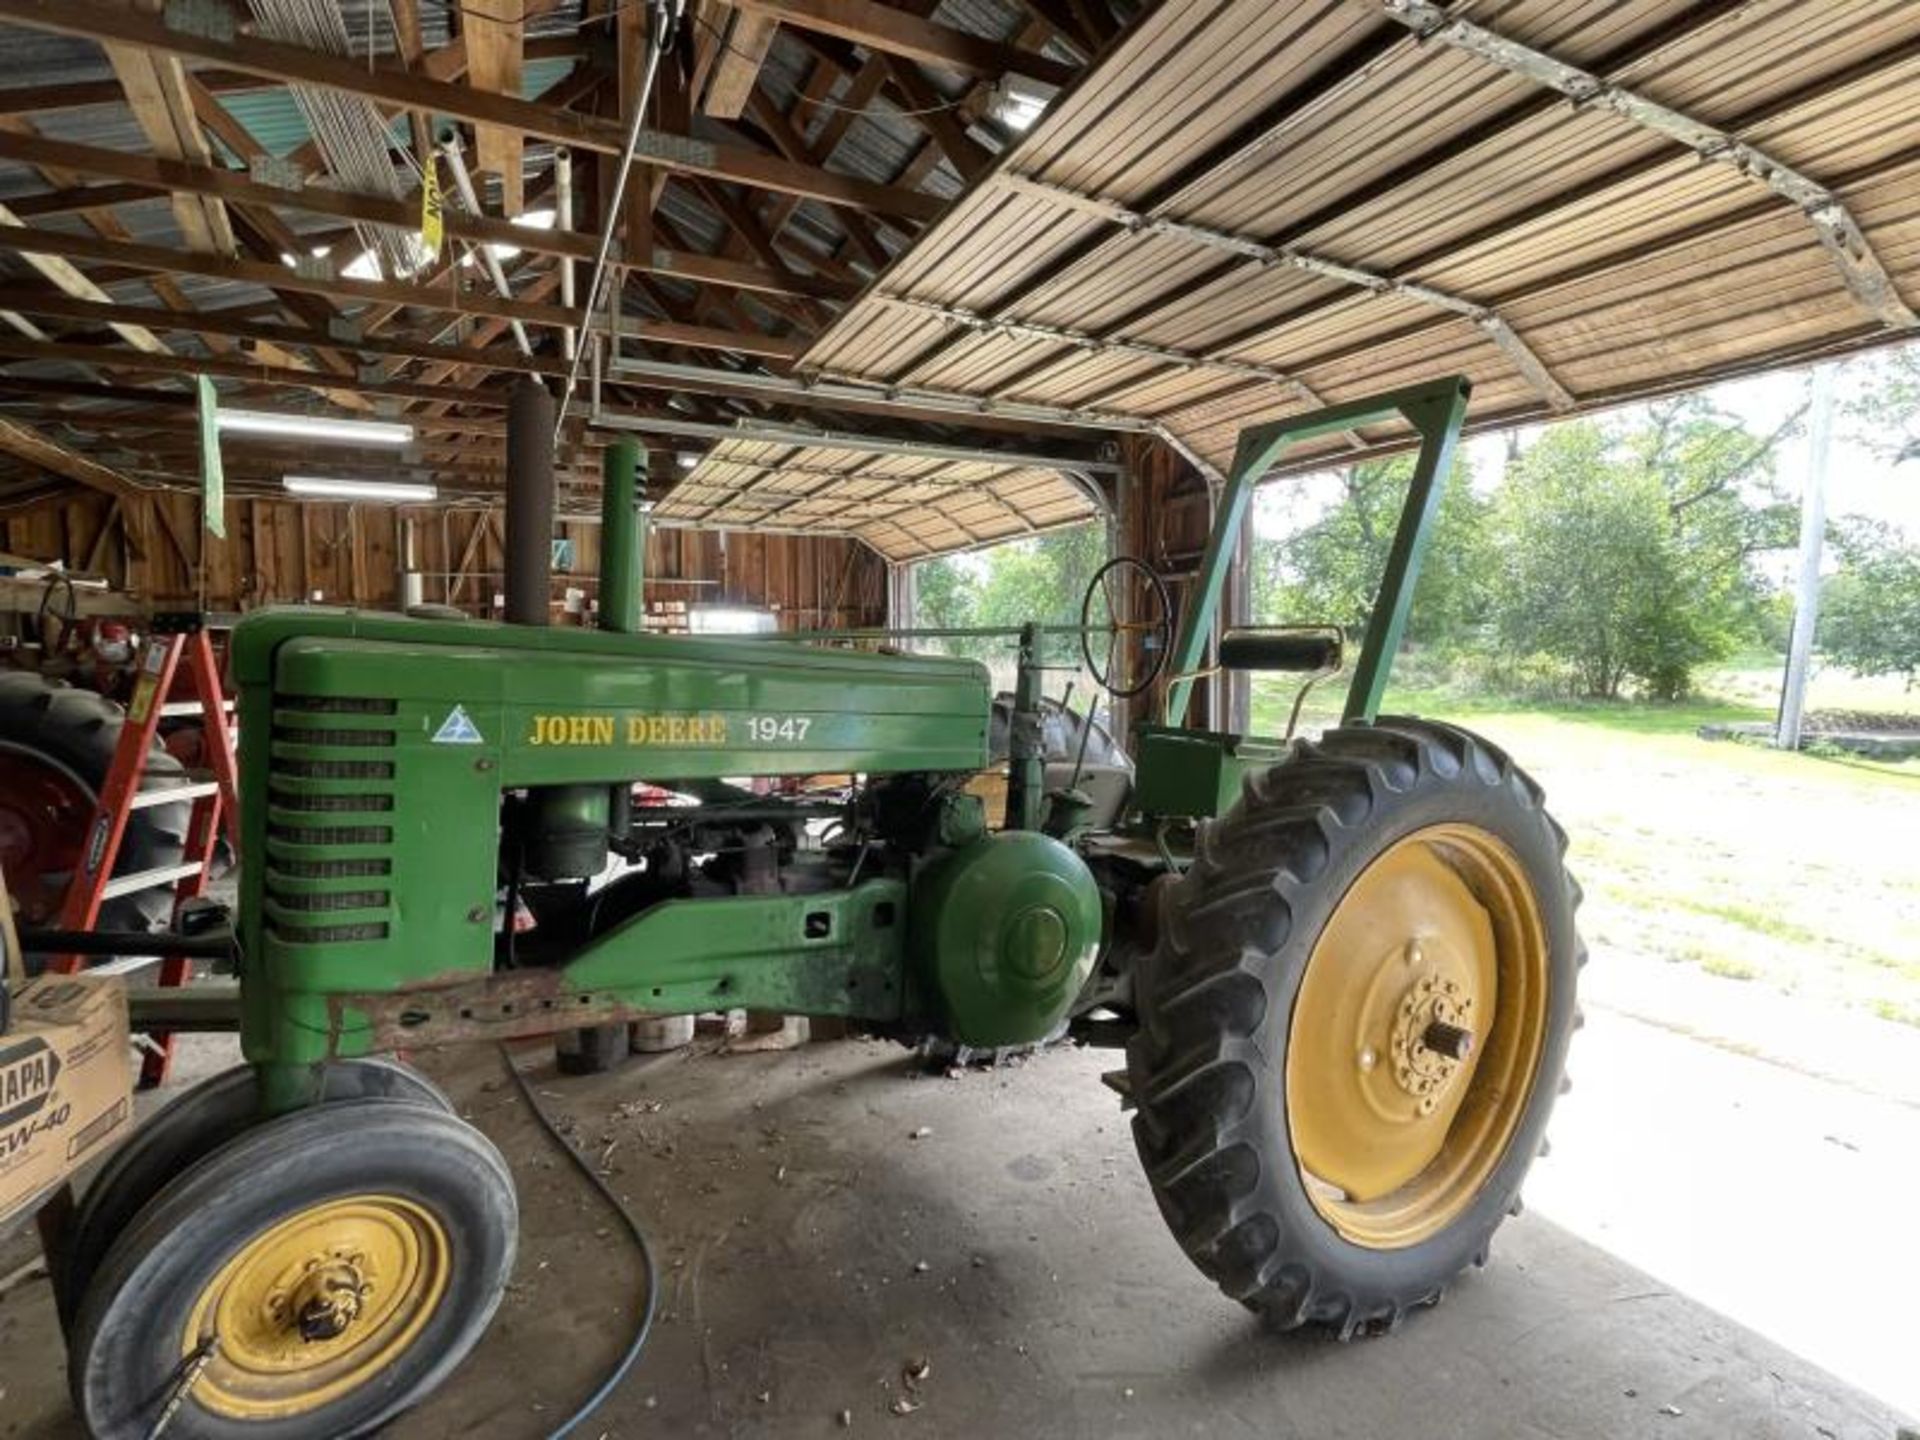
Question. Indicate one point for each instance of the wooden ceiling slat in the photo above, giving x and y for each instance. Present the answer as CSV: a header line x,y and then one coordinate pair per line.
x,y
1350,138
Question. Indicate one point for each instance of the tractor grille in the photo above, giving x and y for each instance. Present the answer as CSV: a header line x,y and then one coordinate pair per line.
x,y
329,868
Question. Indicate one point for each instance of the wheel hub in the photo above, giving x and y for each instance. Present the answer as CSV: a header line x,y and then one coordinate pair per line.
x,y
1422,1070
327,1300
43,815
1396,1110
317,1305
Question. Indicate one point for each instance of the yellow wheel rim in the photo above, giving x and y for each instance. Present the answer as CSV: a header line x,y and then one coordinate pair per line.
x,y
317,1306
1416,1035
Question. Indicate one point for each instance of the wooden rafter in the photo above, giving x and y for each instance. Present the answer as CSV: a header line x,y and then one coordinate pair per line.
x,y
156,89
897,32
383,81
495,32
744,37
156,175
435,346
36,449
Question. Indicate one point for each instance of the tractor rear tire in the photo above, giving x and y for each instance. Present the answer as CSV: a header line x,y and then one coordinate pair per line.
x,y
67,736
187,1130
1321,1139
308,1280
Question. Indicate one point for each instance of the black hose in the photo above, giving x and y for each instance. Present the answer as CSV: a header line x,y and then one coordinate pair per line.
x,y
645,1328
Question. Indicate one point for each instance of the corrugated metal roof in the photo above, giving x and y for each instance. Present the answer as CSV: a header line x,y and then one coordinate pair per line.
x,y
906,507
1622,261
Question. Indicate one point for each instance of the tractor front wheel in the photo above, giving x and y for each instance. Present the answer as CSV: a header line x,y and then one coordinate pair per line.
x,y
1355,1023
308,1280
185,1132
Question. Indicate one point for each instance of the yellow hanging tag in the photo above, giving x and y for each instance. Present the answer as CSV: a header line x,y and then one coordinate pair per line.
x,y
432,224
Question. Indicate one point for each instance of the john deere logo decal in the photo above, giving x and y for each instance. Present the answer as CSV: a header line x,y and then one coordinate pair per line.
x,y
27,1073
458,729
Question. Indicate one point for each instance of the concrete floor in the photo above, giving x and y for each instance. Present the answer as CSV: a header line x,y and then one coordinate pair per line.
x,y
812,1249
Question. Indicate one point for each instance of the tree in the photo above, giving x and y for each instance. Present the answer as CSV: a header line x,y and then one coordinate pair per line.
x,y
1870,608
1330,571
1885,408
943,595
1037,579
1042,579
1625,552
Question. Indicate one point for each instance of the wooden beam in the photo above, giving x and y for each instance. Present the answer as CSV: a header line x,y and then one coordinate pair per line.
x,y
156,87
742,51
17,440
388,342
67,277
1061,20
73,200
19,348
794,146
384,81
108,226
79,94
161,175
895,32
939,119
375,292
412,46
281,277
493,30
634,225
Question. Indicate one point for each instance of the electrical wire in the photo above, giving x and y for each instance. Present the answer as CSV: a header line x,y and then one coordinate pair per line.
x,y
644,1329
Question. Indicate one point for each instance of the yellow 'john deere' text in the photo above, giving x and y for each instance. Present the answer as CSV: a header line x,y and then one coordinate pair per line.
x,y
638,730
676,729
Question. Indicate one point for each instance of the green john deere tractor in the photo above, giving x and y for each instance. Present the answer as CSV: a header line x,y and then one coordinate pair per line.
x,y
1342,971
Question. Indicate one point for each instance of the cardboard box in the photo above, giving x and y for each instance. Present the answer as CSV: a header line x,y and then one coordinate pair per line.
x,y
66,1083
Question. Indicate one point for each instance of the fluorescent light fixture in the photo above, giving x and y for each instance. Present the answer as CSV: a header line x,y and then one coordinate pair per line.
x,y
316,427
329,488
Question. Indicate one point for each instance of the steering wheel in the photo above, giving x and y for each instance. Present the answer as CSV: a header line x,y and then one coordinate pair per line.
x,y
1127,607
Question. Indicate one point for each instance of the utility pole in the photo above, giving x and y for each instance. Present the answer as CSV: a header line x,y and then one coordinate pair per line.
x,y
1813,535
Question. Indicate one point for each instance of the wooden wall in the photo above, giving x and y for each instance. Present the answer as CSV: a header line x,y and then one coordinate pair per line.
x,y
1166,515
280,551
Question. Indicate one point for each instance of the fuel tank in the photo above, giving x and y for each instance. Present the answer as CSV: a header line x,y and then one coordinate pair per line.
x,y
561,706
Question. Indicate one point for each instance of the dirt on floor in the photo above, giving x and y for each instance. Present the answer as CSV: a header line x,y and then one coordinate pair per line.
x,y
849,1246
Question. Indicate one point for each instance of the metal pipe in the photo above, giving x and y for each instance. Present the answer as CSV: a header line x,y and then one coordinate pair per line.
x,y
563,223
529,502
622,535
469,197
663,19
216,946
951,402
853,440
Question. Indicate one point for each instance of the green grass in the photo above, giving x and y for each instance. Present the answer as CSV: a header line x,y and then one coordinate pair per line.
x,y
1761,922
1899,1014
1753,865
1272,700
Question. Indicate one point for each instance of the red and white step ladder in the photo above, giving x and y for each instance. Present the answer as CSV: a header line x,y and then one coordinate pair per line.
x,y
175,639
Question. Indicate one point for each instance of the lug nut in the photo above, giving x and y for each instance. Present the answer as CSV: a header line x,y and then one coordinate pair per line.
x,y
1448,1040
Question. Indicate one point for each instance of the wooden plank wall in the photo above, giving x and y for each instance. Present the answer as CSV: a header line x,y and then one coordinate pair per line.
x,y
1165,517
279,552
